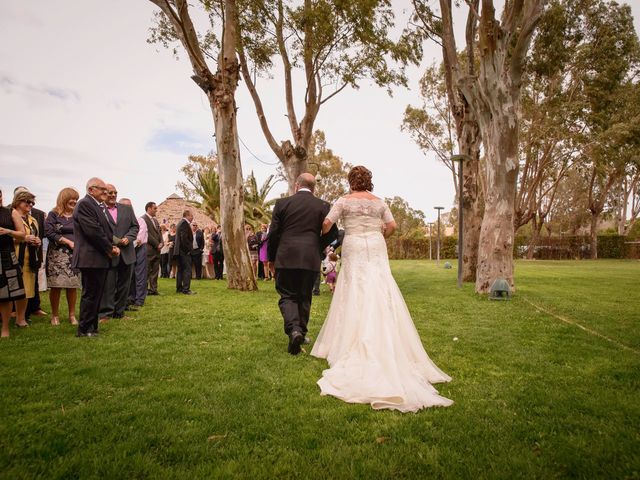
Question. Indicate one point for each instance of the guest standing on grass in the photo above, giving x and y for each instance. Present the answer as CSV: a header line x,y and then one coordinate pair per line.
x,y
182,250
196,250
11,285
138,291
217,253
58,228
33,304
164,252
125,231
27,251
93,252
154,245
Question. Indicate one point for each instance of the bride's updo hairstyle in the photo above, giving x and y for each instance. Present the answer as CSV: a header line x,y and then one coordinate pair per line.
x,y
360,179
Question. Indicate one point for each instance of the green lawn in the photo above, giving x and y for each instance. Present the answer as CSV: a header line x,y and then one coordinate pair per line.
x,y
203,387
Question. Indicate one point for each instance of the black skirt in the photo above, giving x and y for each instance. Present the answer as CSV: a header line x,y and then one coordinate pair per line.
x,y
11,283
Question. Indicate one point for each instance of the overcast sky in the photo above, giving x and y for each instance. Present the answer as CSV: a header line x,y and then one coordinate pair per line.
x,y
83,94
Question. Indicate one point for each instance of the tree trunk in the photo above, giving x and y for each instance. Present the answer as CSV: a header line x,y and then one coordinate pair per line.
x,y
240,275
593,233
294,163
536,233
472,200
495,254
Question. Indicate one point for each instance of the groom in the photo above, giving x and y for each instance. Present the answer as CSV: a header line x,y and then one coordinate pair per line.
x,y
295,250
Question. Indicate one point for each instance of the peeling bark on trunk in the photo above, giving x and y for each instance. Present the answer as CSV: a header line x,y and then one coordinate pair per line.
x,y
472,200
536,233
495,255
240,275
294,163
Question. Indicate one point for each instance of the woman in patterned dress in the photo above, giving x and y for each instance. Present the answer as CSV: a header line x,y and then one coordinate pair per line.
x,y
58,228
11,286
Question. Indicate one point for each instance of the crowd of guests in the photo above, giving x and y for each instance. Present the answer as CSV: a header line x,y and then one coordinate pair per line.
x,y
97,245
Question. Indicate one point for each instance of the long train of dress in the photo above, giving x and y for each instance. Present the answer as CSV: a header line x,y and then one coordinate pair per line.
x,y
368,338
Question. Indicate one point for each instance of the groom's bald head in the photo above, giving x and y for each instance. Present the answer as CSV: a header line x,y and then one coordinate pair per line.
x,y
306,180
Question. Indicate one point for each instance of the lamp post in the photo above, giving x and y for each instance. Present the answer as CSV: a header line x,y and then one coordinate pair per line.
x,y
438,240
318,176
461,159
430,224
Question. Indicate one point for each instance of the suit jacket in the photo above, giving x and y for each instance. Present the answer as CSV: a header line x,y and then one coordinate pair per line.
x,y
199,241
184,238
39,216
126,227
93,234
216,245
294,234
154,237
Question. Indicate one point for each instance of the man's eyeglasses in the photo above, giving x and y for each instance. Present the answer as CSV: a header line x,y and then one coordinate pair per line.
x,y
112,192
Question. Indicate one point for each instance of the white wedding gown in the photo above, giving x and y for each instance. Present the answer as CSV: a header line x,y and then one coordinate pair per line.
x,y
369,340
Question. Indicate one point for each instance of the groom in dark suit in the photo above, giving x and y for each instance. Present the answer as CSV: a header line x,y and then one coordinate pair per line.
x,y
295,247
125,230
182,251
93,252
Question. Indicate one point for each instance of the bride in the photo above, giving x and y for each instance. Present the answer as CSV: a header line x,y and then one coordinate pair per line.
x,y
368,338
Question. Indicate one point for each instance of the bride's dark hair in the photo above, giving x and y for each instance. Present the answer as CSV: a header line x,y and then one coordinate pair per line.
x,y
360,179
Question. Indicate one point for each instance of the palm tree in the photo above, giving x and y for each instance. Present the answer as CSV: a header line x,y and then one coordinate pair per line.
x,y
257,209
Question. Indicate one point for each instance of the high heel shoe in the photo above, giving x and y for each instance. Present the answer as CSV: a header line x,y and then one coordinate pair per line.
x,y
73,320
55,321
22,325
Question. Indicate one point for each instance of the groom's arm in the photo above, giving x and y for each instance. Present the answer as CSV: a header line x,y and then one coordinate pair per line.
x,y
332,234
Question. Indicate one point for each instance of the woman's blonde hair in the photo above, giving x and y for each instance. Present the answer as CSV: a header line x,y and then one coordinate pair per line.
x,y
22,196
64,196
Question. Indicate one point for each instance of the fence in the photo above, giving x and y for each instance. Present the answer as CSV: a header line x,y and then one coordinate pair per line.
x,y
548,248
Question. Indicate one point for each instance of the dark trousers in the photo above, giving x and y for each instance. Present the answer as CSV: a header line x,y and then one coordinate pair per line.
x,y
93,280
164,265
116,290
153,270
316,285
295,287
139,279
183,276
218,265
196,259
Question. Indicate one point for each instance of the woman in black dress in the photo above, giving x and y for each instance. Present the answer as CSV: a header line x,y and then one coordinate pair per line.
x,y
11,285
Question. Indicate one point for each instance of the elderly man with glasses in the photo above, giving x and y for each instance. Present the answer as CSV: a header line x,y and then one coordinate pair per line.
x,y
93,252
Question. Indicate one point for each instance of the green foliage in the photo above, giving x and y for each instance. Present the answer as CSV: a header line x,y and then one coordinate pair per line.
x,y
203,185
204,388
257,209
202,189
342,41
410,222
333,171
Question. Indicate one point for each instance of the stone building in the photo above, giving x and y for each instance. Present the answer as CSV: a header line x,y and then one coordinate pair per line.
x,y
170,211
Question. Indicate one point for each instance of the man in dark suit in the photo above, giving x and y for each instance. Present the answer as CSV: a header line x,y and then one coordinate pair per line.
x,y
198,248
93,252
125,230
294,248
182,251
217,252
33,305
154,245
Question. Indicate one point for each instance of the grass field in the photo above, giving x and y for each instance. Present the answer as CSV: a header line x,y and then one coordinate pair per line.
x,y
203,387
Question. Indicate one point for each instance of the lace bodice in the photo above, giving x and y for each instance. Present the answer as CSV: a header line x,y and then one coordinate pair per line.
x,y
360,215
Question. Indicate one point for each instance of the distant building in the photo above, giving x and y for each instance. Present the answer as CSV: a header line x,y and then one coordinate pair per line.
x,y
170,211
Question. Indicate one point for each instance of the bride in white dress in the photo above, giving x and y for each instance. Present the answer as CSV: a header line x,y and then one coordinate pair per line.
x,y
369,340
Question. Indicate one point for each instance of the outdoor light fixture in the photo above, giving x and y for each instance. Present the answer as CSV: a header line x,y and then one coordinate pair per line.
x,y
500,290
438,244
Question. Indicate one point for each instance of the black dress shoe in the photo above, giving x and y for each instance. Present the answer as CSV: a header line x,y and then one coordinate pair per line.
x,y
189,292
152,293
131,308
295,340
